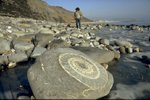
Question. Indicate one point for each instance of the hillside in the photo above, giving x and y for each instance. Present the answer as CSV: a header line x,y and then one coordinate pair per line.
x,y
36,9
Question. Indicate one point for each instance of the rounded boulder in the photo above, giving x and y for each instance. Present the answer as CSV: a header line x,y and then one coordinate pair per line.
x,y
64,73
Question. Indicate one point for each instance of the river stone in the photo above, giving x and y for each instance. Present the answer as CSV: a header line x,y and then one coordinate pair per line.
x,y
109,47
41,40
19,33
129,50
3,59
4,45
86,44
46,31
63,35
58,43
122,50
26,38
64,73
101,56
75,41
136,49
96,43
22,46
104,41
18,57
116,55
38,51
123,43
11,65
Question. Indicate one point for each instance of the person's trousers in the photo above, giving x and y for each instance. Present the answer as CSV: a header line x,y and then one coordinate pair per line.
x,y
78,23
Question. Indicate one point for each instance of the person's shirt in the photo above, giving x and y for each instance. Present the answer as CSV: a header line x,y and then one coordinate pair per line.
x,y
78,14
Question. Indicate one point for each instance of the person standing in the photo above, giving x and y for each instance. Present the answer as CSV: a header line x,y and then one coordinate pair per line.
x,y
78,16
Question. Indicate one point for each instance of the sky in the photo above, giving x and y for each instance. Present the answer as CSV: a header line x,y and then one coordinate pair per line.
x,y
107,9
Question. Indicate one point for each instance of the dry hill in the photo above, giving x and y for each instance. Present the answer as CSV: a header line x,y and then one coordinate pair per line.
x,y
36,9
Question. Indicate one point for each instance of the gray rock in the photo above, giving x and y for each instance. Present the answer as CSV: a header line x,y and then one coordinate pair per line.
x,y
19,33
122,50
11,65
41,40
110,47
85,44
38,51
4,45
19,57
136,49
65,73
57,43
75,34
123,43
46,31
96,43
116,55
76,40
104,41
63,35
91,34
101,56
22,46
129,50
3,59
97,38
26,38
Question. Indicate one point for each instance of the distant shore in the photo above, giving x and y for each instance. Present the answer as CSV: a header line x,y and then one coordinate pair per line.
x,y
139,23
126,22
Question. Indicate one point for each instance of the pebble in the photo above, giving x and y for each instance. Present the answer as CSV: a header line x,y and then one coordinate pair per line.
x,y
136,49
122,50
104,41
129,50
11,65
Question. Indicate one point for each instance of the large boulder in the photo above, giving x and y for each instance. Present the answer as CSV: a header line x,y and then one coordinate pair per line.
x,y
41,40
99,55
64,73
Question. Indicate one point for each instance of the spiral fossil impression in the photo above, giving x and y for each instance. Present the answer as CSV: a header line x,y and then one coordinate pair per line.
x,y
81,67
66,73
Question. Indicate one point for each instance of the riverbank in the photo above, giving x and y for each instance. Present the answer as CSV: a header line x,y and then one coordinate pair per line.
x,y
122,50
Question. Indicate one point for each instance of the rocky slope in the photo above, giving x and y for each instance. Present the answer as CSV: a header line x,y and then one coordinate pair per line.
x,y
36,9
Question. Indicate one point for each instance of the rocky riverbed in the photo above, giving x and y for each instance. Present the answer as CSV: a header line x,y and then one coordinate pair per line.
x,y
50,51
